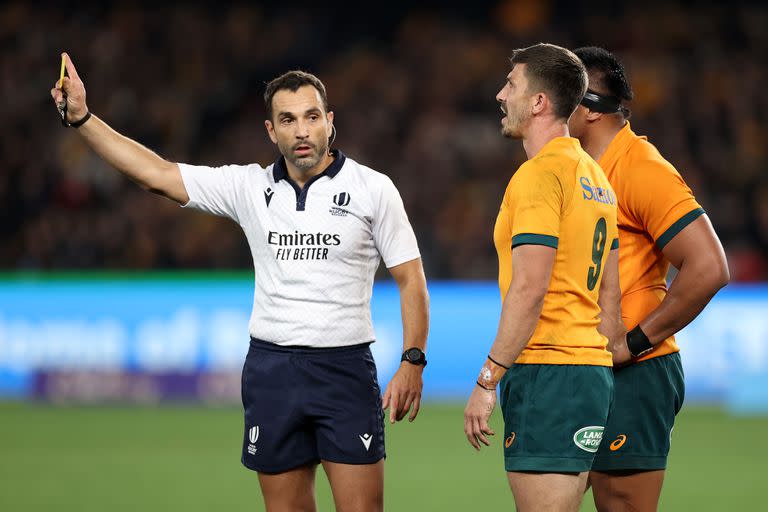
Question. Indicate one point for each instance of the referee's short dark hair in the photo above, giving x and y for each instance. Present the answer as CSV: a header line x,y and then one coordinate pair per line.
x,y
606,72
292,81
555,71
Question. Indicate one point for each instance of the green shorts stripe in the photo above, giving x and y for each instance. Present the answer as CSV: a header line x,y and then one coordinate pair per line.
x,y
554,416
648,396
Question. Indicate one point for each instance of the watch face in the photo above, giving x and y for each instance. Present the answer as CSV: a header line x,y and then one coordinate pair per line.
x,y
413,355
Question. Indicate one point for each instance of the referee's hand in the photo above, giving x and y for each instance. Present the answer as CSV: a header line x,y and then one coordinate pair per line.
x,y
404,392
70,92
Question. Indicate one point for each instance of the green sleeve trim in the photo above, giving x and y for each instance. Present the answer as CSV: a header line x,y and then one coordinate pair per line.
x,y
615,244
534,239
678,226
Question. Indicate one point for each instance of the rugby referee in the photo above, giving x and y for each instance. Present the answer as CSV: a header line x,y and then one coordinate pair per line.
x,y
317,223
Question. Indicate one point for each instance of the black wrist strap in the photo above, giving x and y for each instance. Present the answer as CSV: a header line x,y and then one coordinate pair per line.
x,y
80,122
497,363
422,359
637,342
485,388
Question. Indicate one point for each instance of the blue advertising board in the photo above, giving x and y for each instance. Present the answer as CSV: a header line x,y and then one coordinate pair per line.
x,y
196,325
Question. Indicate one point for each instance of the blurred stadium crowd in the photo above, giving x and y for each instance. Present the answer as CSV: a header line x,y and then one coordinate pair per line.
x,y
413,93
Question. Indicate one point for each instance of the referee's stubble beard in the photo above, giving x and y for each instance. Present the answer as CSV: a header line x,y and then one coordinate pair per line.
x,y
301,129
308,159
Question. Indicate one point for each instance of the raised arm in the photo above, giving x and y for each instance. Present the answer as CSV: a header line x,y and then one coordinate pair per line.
x,y
140,164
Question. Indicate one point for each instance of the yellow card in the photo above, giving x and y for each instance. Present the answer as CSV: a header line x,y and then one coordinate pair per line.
x,y
61,77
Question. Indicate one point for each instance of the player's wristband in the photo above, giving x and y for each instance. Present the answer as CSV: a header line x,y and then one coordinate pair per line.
x,y
490,374
638,343
496,362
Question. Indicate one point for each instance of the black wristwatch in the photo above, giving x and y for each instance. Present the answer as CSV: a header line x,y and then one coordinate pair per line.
x,y
414,356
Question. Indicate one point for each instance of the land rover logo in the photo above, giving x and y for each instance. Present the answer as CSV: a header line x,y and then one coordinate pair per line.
x,y
588,438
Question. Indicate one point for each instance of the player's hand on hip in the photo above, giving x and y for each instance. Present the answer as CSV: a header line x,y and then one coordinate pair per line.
x,y
70,91
403,392
619,350
476,415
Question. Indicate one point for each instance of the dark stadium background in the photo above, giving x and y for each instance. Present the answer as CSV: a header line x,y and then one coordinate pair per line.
x,y
413,90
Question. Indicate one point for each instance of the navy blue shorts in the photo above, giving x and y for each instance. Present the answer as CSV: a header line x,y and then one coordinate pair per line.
x,y
303,405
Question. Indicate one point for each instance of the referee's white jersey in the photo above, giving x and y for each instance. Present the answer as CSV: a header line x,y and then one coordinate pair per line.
x,y
315,251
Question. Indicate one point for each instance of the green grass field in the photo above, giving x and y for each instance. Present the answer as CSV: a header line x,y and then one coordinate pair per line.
x,y
187,458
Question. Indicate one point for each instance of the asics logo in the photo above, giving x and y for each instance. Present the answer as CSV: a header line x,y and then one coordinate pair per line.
x,y
618,442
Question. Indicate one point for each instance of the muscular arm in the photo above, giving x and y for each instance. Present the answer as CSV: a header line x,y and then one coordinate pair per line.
x,y
141,165
129,157
404,390
532,266
699,257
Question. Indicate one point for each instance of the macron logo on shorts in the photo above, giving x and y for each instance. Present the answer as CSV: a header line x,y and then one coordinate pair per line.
x,y
366,439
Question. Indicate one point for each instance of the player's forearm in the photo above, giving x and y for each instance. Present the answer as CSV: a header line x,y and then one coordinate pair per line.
x,y
692,289
611,326
519,316
129,157
609,299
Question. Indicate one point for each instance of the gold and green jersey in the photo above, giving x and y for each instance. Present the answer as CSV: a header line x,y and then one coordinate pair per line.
x,y
655,204
561,198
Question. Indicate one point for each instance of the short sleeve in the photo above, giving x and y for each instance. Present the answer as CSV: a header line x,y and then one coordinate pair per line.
x,y
392,232
215,190
535,200
660,200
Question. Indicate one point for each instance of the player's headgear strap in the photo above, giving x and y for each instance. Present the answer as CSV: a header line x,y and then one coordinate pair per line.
x,y
602,104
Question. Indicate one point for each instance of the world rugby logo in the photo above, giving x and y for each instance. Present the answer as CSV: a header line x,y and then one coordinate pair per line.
x,y
341,199
588,438
253,434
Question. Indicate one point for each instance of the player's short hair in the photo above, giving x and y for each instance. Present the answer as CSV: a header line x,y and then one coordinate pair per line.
x,y
607,74
557,72
292,81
